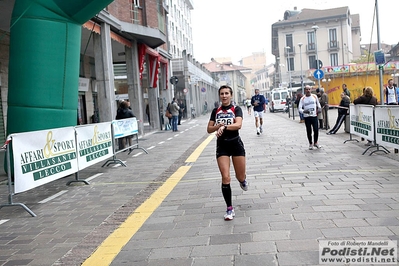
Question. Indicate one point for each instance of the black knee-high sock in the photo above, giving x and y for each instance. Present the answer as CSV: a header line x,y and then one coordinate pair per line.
x,y
226,191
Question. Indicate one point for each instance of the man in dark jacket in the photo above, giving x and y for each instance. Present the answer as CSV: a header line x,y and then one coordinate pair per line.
x,y
299,96
181,111
124,112
342,112
346,90
369,99
324,108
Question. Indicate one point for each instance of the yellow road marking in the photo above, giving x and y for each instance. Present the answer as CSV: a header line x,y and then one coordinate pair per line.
x,y
248,175
113,244
194,156
261,174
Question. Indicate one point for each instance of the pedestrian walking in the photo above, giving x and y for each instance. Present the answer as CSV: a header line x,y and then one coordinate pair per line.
x,y
346,90
174,109
181,111
147,112
391,98
367,98
123,112
258,101
324,108
265,106
226,121
299,96
168,114
249,106
310,106
342,112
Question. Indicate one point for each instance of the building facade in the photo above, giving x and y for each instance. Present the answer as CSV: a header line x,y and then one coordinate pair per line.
x,y
254,62
179,27
228,74
264,79
322,48
123,56
331,36
195,85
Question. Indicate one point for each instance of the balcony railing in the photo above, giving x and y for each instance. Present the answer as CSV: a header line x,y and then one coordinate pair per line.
x,y
311,47
333,46
289,52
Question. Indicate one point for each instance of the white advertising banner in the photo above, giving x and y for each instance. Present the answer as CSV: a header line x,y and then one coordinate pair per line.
x,y
125,127
43,156
387,126
361,121
84,84
94,143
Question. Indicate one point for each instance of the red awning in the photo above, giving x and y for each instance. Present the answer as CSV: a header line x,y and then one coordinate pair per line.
x,y
155,59
90,25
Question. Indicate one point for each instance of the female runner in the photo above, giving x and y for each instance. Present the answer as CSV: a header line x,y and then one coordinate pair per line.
x,y
226,120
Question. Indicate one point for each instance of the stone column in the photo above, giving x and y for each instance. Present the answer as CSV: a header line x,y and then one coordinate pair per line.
x,y
135,91
188,86
153,95
104,74
153,104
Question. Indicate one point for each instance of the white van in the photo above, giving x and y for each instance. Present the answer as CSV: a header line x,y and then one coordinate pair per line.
x,y
277,100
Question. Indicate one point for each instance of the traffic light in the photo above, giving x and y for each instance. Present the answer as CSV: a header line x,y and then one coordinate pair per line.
x,y
174,80
320,64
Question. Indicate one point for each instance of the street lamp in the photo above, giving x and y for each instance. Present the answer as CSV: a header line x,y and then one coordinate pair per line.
x,y
300,59
315,28
289,66
280,79
325,111
289,79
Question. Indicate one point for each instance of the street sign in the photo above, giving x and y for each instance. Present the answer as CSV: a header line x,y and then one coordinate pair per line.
x,y
174,80
185,90
379,57
318,74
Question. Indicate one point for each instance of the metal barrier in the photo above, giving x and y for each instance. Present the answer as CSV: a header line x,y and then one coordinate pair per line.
x,y
124,128
376,124
59,152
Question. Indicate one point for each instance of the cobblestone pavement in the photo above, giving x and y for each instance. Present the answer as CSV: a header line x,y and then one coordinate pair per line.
x,y
296,197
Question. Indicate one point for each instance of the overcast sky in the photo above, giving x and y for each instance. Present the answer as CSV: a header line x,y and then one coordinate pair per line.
x,y
236,28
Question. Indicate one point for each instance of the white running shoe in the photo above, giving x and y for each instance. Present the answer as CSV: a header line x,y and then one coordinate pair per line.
x,y
310,147
261,130
317,145
229,215
244,185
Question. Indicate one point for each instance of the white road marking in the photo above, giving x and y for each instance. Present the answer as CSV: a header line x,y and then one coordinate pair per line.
x,y
54,196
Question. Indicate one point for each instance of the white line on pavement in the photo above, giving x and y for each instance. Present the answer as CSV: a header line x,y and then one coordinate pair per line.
x,y
3,221
54,196
117,165
93,176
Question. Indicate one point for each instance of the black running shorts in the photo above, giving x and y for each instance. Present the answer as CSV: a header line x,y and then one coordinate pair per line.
x,y
234,147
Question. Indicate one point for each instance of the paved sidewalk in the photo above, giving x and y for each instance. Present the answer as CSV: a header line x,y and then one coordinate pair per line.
x,y
296,197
